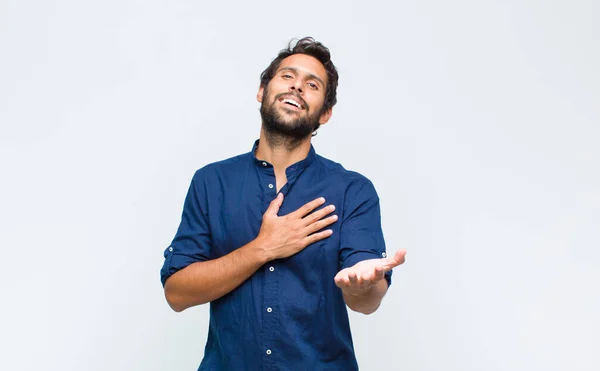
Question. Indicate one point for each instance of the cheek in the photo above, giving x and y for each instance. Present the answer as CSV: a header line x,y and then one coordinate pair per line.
x,y
275,87
316,103
269,98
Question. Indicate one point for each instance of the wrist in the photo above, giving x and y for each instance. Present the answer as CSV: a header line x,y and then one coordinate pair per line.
x,y
257,248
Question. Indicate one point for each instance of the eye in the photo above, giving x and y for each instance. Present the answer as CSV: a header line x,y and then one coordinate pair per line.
x,y
313,85
287,76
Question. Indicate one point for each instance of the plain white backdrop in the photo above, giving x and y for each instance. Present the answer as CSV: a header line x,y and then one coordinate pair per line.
x,y
477,121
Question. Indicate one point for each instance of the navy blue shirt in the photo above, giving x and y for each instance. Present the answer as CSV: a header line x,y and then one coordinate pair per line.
x,y
289,315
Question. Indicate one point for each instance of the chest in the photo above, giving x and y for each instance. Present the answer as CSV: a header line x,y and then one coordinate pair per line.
x,y
236,215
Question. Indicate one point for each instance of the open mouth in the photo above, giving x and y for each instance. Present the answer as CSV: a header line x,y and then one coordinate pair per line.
x,y
291,102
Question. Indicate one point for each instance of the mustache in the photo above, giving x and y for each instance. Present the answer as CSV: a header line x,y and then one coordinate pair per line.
x,y
295,95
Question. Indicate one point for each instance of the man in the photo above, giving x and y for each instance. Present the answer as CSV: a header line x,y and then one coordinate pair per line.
x,y
279,240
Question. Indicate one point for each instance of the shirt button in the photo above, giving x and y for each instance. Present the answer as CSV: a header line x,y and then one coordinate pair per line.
x,y
271,269
268,351
383,254
264,164
269,310
171,248
270,185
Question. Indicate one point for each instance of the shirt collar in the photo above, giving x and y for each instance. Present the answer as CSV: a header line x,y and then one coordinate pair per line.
x,y
292,169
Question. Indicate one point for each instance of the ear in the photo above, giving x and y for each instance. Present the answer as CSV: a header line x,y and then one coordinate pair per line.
x,y
259,95
325,116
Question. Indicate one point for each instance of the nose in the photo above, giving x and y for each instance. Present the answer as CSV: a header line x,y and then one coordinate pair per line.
x,y
296,86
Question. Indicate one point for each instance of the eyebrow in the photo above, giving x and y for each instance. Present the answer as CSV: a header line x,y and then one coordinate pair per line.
x,y
309,75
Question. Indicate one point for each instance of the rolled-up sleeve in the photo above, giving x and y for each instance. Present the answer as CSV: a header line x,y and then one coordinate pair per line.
x,y
192,242
361,234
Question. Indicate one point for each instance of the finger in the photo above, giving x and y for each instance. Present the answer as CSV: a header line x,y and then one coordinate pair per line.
x,y
367,279
391,262
274,206
341,280
378,274
317,237
321,224
318,215
353,278
307,208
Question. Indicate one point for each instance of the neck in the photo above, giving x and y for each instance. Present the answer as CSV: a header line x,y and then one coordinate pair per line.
x,y
281,152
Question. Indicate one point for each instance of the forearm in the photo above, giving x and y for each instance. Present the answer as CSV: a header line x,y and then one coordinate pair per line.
x,y
369,301
206,281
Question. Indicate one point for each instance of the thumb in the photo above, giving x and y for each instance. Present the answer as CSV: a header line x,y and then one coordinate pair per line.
x,y
394,261
274,206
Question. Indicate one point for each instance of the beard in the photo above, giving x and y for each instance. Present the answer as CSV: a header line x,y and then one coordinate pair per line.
x,y
280,130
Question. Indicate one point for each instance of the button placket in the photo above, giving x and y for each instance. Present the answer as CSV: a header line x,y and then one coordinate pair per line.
x,y
271,329
270,323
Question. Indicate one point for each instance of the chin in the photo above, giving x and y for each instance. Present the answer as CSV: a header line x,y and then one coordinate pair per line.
x,y
289,117
288,112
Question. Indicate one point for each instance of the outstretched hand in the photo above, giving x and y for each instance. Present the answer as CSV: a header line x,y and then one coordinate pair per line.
x,y
362,276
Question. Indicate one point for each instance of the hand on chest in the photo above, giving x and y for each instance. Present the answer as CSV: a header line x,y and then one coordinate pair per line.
x,y
239,219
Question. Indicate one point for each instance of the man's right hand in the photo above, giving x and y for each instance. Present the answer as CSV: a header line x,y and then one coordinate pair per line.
x,y
283,236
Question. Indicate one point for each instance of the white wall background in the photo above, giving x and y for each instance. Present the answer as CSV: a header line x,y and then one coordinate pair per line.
x,y
478,122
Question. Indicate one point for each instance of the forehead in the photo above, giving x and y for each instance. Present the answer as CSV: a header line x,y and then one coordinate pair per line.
x,y
305,64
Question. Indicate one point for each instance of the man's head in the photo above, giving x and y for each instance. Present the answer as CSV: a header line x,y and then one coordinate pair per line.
x,y
298,90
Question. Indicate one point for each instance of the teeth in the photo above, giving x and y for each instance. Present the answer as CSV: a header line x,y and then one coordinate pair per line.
x,y
292,102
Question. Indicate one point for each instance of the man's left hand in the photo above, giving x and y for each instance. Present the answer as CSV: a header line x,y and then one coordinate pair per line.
x,y
362,276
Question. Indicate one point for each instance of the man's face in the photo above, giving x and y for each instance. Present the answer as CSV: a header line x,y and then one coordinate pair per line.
x,y
292,102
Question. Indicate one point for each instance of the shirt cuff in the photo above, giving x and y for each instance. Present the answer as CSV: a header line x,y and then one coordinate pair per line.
x,y
175,262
